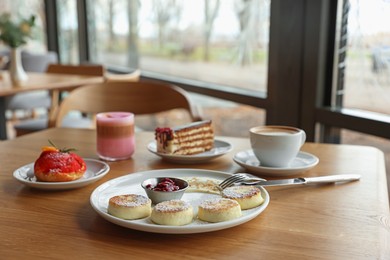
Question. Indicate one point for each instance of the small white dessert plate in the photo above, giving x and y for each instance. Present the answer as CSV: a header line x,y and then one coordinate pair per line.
x,y
95,170
303,162
220,148
131,184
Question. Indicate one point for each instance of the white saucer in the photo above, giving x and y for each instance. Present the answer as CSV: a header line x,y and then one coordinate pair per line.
x,y
220,148
303,162
95,171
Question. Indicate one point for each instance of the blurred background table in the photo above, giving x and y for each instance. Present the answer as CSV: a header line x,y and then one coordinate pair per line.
x,y
336,221
38,81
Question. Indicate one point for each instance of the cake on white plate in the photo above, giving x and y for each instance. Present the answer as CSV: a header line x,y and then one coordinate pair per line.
x,y
193,138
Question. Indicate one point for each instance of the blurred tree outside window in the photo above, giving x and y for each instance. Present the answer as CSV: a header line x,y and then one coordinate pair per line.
x,y
211,41
222,42
367,69
68,31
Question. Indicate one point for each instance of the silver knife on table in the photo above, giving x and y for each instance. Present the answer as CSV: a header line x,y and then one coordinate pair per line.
x,y
309,180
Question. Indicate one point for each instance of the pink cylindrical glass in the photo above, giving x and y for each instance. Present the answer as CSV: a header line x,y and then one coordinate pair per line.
x,y
115,135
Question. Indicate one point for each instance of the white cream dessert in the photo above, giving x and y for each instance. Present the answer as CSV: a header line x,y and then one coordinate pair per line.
x,y
202,184
172,213
247,196
194,138
130,206
218,210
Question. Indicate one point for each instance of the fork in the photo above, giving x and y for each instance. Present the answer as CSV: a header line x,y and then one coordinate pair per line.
x,y
238,177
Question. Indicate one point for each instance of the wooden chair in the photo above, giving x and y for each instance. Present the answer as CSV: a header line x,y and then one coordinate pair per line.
x,y
88,70
36,124
140,98
83,69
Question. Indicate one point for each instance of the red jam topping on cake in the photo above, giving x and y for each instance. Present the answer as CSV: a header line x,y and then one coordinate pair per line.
x,y
165,134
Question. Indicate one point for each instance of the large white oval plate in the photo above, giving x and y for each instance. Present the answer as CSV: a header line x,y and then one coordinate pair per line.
x,y
220,148
95,171
131,183
303,162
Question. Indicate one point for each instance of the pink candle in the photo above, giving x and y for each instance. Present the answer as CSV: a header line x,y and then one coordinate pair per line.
x,y
115,135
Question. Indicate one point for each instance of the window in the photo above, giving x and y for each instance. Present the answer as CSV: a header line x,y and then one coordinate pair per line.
x,y
68,31
220,42
209,42
367,73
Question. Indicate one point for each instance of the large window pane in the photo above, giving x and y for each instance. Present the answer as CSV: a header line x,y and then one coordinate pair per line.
x,y
367,81
68,31
224,42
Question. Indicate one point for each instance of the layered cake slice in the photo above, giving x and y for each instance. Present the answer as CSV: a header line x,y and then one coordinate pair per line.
x,y
188,139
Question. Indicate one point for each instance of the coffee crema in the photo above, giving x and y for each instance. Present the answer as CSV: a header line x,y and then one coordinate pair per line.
x,y
277,131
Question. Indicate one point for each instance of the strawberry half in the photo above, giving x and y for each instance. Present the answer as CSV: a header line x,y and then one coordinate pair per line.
x,y
59,165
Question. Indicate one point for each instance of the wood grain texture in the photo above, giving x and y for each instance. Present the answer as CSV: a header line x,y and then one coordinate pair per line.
x,y
343,221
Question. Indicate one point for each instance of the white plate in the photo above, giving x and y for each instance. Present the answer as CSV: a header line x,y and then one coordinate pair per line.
x,y
303,162
132,184
220,148
95,171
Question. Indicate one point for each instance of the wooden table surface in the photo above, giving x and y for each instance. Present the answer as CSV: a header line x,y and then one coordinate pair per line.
x,y
38,81
343,221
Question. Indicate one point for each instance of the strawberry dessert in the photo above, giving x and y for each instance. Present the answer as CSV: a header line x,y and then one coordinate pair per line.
x,y
58,165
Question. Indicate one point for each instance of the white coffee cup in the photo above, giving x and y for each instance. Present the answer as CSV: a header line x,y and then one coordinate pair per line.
x,y
276,146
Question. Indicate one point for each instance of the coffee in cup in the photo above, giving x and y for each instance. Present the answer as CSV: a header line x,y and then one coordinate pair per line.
x,y
276,146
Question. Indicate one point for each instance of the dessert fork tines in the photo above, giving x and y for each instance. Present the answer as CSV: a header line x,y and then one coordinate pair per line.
x,y
238,177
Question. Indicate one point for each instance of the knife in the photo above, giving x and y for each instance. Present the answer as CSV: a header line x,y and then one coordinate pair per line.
x,y
310,180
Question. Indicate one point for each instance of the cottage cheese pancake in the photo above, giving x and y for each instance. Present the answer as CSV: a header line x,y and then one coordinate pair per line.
x,y
130,206
172,213
247,196
218,210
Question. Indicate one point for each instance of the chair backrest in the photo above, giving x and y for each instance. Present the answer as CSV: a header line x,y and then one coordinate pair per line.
x,y
140,98
89,70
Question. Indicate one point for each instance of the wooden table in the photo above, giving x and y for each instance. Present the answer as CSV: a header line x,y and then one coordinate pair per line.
x,y
38,81
343,221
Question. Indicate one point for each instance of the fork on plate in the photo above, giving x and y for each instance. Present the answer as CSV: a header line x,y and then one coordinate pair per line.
x,y
238,177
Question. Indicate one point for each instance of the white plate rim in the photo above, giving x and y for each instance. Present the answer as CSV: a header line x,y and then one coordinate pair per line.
x,y
154,228
20,174
270,171
200,157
